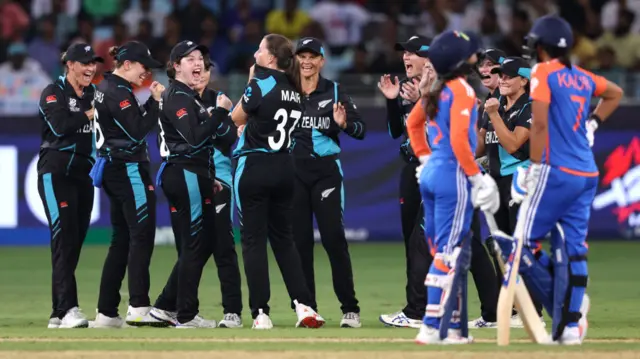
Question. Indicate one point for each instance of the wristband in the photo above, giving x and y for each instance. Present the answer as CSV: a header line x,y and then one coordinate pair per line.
x,y
596,118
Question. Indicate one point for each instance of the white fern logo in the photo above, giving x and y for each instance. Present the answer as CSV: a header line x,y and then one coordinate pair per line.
x,y
220,207
326,193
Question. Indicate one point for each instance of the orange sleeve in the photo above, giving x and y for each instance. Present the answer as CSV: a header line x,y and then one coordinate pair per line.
x,y
601,83
463,104
540,84
417,131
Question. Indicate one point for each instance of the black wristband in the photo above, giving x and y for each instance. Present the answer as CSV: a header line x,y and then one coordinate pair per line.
x,y
596,118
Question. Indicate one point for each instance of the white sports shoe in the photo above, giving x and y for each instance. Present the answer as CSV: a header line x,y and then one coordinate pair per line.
x,y
74,319
231,320
400,320
481,323
170,318
350,320
141,317
431,335
262,321
54,323
307,317
197,322
576,335
104,322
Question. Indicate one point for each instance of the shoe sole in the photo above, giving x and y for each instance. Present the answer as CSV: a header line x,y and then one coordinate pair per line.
x,y
412,326
160,324
222,325
347,325
311,322
167,322
84,325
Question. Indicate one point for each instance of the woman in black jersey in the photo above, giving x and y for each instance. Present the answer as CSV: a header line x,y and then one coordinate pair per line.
x,y
66,158
264,179
187,177
122,169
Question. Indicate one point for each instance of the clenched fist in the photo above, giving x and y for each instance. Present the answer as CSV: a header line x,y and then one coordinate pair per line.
x,y
156,89
224,102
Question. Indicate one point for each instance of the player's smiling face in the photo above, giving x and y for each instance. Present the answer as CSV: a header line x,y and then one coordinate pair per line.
x,y
310,63
413,64
191,68
511,85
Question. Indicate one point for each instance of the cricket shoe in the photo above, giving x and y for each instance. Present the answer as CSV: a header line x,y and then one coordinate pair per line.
x,y
170,318
430,335
576,335
231,320
141,317
104,322
480,323
74,319
400,320
307,317
197,322
262,321
350,320
54,323
516,321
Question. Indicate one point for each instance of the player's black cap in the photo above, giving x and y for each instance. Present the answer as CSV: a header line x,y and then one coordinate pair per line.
x,y
494,55
310,44
184,48
514,66
414,44
137,52
82,53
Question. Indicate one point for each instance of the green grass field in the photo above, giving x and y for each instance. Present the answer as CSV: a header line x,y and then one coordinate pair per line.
x,y
379,274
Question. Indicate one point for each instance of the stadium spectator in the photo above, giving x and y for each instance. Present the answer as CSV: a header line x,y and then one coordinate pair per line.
x,y
161,48
102,12
289,21
190,17
143,11
66,15
489,29
145,32
13,19
386,59
84,33
102,47
432,18
584,49
21,82
242,52
45,48
236,19
513,41
217,44
609,16
342,21
41,8
626,43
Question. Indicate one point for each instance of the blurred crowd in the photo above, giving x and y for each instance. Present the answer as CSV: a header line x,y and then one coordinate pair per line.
x,y
359,34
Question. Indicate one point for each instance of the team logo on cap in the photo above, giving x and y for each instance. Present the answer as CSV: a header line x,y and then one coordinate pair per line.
x,y
306,41
87,48
462,35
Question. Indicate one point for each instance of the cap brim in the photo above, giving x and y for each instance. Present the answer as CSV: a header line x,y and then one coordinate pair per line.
x,y
90,60
151,63
308,49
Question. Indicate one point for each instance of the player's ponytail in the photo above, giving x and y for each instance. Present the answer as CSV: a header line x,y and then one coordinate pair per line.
x,y
559,53
63,60
113,52
433,97
282,49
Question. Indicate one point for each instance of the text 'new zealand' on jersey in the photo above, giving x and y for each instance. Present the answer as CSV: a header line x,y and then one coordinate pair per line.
x,y
273,106
121,123
67,133
186,129
398,111
501,162
317,133
568,91
224,138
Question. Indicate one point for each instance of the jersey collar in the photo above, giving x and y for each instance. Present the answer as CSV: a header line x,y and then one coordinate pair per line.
x,y
66,87
263,72
181,86
119,81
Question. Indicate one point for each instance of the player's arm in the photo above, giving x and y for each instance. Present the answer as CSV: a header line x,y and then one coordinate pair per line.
x,y
480,149
462,107
57,115
511,141
250,102
541,96
127,116
417,131
194,128
356,128
227,133
610,95
395,118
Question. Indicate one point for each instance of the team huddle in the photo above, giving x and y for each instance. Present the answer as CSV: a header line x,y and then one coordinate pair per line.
x,y
279,147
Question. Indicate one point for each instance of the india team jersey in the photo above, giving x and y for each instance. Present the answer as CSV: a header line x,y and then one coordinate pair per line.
x,y
568,91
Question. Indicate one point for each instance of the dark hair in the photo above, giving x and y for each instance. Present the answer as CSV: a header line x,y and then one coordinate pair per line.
x,y
113,51
282,49
433,96
171,72
560,53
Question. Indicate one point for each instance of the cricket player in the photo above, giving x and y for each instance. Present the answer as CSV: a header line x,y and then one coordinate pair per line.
x,y
122,170
265,178
401,97
562,180
65,160
450,180
187,177
319,187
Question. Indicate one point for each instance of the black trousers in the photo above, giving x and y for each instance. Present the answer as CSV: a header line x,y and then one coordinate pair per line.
x,y
191,196
417,256
133,217
485,271
264,192
68,202
319,190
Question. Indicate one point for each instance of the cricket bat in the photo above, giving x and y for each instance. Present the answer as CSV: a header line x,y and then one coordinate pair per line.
x,y
513,291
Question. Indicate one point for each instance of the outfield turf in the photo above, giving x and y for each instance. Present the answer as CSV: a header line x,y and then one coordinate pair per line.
x,y
379,276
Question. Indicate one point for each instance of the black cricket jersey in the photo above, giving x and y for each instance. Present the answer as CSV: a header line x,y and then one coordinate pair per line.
x,y
68,144
501,163
225,136
274,108
122,124
317,133
398,111
483,116
186,129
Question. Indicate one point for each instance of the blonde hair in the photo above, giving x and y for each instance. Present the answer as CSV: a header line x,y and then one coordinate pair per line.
x,y
64,63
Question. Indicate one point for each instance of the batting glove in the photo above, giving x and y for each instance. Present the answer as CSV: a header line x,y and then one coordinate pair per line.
x,y
592,125
484,193
423,162
518,185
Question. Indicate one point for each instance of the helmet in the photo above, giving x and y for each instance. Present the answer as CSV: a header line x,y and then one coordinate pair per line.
x,y
450,50
550,30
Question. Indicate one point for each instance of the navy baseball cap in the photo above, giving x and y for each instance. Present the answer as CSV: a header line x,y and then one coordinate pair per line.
x,y
514,66
82,53
310,44
550,30
494,55
450,50
417,44
137,52
184,48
